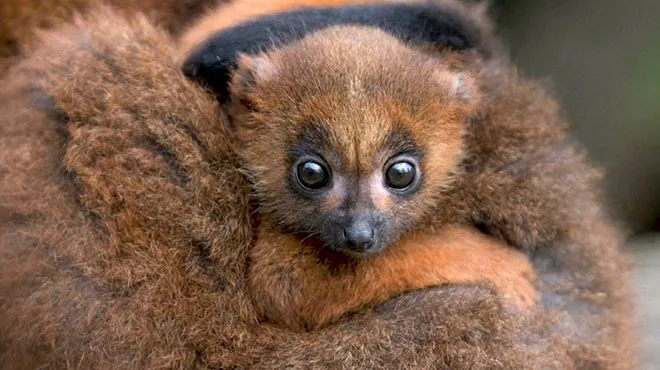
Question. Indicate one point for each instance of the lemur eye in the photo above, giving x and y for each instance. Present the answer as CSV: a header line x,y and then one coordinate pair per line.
x,y
313,175
400,175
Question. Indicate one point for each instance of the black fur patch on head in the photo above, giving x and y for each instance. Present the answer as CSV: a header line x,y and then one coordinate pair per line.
x,y
417,24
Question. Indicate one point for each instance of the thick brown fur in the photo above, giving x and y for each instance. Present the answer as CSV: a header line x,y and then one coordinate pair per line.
x,y
124,232
19,19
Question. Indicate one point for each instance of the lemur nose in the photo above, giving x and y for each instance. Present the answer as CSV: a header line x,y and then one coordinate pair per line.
x,y
359,235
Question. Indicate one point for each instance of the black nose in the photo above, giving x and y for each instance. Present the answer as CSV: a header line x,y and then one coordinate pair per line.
x,y
359,235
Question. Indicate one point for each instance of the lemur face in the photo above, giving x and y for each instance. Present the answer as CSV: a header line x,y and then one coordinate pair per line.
x,y
355,189
348,134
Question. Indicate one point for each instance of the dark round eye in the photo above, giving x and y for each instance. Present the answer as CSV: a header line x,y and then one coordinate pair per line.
x,y
313,175
400,175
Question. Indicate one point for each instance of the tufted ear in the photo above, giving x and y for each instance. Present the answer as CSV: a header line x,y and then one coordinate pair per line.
x,y
253,70
242,95
461,86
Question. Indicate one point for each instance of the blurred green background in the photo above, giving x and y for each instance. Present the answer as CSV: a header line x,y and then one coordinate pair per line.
x,y
603,58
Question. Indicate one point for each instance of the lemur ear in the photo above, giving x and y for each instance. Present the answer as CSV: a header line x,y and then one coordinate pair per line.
x,y
251,71
461,86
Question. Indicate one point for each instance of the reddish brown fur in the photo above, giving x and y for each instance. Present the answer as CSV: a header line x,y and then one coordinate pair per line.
x,y
20,18
124,232
419,104
319,289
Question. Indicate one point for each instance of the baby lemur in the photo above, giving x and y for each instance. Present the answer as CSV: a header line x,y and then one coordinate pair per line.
x,y
349,135
357,124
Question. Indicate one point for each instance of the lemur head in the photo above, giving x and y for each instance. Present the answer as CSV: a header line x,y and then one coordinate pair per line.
x,y
348,133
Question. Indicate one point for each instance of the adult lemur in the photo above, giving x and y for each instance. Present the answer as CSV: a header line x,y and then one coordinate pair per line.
x,y
127,220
